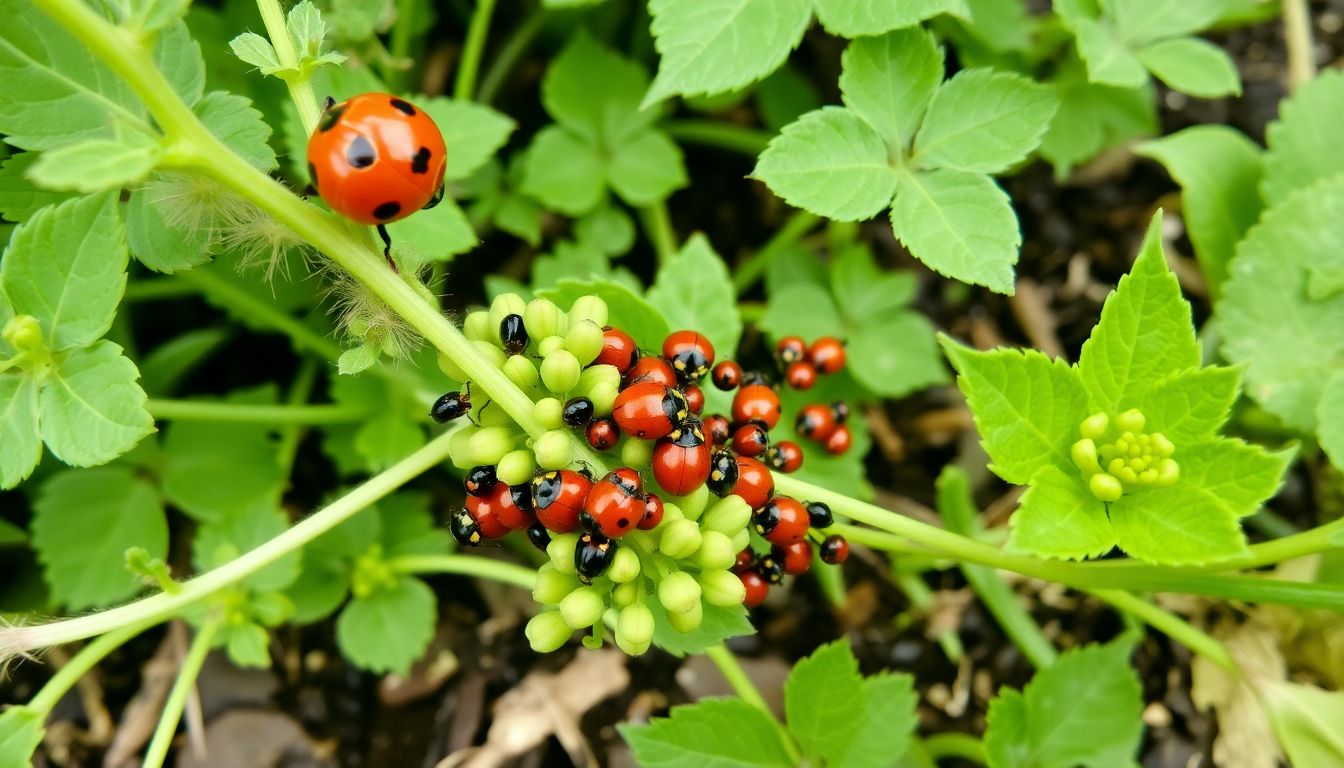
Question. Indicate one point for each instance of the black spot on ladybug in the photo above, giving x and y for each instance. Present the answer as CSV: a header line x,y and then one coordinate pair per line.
x,y
360,153
312,176
387,210
622,523
330,117
420,163
403,107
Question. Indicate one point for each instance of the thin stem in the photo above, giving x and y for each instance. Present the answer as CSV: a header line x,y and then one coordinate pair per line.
x,y
80,664
300,89
1170,625
736,676
921,597
245,413
291,434
157,751
472,50
658,226
393,73
465,565
1297,37
751,269
734,138
161,606
948,745
502,63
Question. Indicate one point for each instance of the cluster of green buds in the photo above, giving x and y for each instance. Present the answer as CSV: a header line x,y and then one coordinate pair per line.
x,y
1116,455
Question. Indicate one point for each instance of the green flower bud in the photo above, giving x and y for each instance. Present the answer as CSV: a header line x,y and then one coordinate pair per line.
x,y
634,629
722,588
728,515
741,539
459,446
493,416
516,467
589,308
488,445
716,550
1168,472
603,397
505,304
584,339
1105,487
1161,445
679,592
1094,426
554,449
24,333
583,607
692,504
560,371
547,631
561,551
450,368
635,452
625,594
550,344
688,621
549,413
551,585
542,318
477,327
1130,421
595,374
671,514
679,539
491,352
523,373
624,566
1085,456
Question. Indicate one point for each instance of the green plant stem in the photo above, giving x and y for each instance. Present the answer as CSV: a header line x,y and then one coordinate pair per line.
x,y
465,565
753,267
401,44
161,606
157,288
1170,625
502,62
921,597
1298,39
736,676
712,133
157,751
198,410
658,226
291,434
1271,524
945,746
300,89
80,664
470,64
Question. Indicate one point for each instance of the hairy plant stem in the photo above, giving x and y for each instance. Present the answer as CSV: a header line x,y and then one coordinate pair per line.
x,y
746,690
753,267
1298,39
244,413
470,64
720,135
80,664
157,751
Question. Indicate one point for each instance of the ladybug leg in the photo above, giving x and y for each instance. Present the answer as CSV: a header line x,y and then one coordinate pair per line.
x,y
328,103
387,247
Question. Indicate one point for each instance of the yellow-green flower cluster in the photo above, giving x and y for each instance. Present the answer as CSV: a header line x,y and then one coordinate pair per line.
x,y
1116,456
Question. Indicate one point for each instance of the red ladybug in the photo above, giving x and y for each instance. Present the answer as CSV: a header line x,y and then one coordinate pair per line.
x,y
834,550
695,398
476,523
654,369
618,349
376,158
782,521
815,422
612,507
785,456
840,410
726,375
757,588
790,349
716,429
744,560
690,353
795,557
603,433
629,479
681,460
558,498
500,503
754,483
756,402
840,440
649,410
653,512
827,354
800,375
751,440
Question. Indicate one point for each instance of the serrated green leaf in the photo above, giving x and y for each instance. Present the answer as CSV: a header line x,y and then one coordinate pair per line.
x,y
1288,342
178,57
472,132
154,241
783,318
646,168
20,444
1189,406
594,92
694,290
1145,332
389,629
563,172
91,408
888,721
1027,407
1053,722
21,731
89,571
1308,722
626,309
1142,21
306,28
719,624
97,164
1059,517
1003,25
1300,143
66,266
960,225
437,234
712,733
224,539
387,438
1191,65
830,162
571,261
257,51
823,699
213,471
1108,60
1219,171
702,44
984,121
1330,414
232,119
855,18
19,197
890,80
895,354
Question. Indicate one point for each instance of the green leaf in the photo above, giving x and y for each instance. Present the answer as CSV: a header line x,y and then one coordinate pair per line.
x,y
1092,117
694,290
1288,342
408,528
154,241
960,225
19,197
784,97
243,129
11,534
1145,332
608,229
793,265
574,261
712,733
257,51
66,266
248,646
1189,406
89,571
626,309
855,18
356,360
1191,65
321,587
20,444
864,290
433,235
890,80
823,699
1308,722
1027,407
1108,60
213,470
150,15
389,629
1054,721
984,121
1142,21
784,318
830,162
887,725
387,438
224,539
701,44
1330,413
563,172
594,92
1058,517
91,408
164,368
21,731
1300,143
178,57
97,164
646,168
844,473
895,353
1219,171
472,132
719,624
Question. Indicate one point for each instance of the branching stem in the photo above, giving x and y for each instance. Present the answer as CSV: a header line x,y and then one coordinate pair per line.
x,y
157,751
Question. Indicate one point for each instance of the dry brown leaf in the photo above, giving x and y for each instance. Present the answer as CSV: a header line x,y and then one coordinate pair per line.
x,y
256,739
1245,739
142,713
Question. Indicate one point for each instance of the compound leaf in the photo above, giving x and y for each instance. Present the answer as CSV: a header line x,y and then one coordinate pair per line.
x,y
824,702
646,168
20,443
855,18
830,162
890,80
984,121
1191,65
91,408
960,225
563,172
712,733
